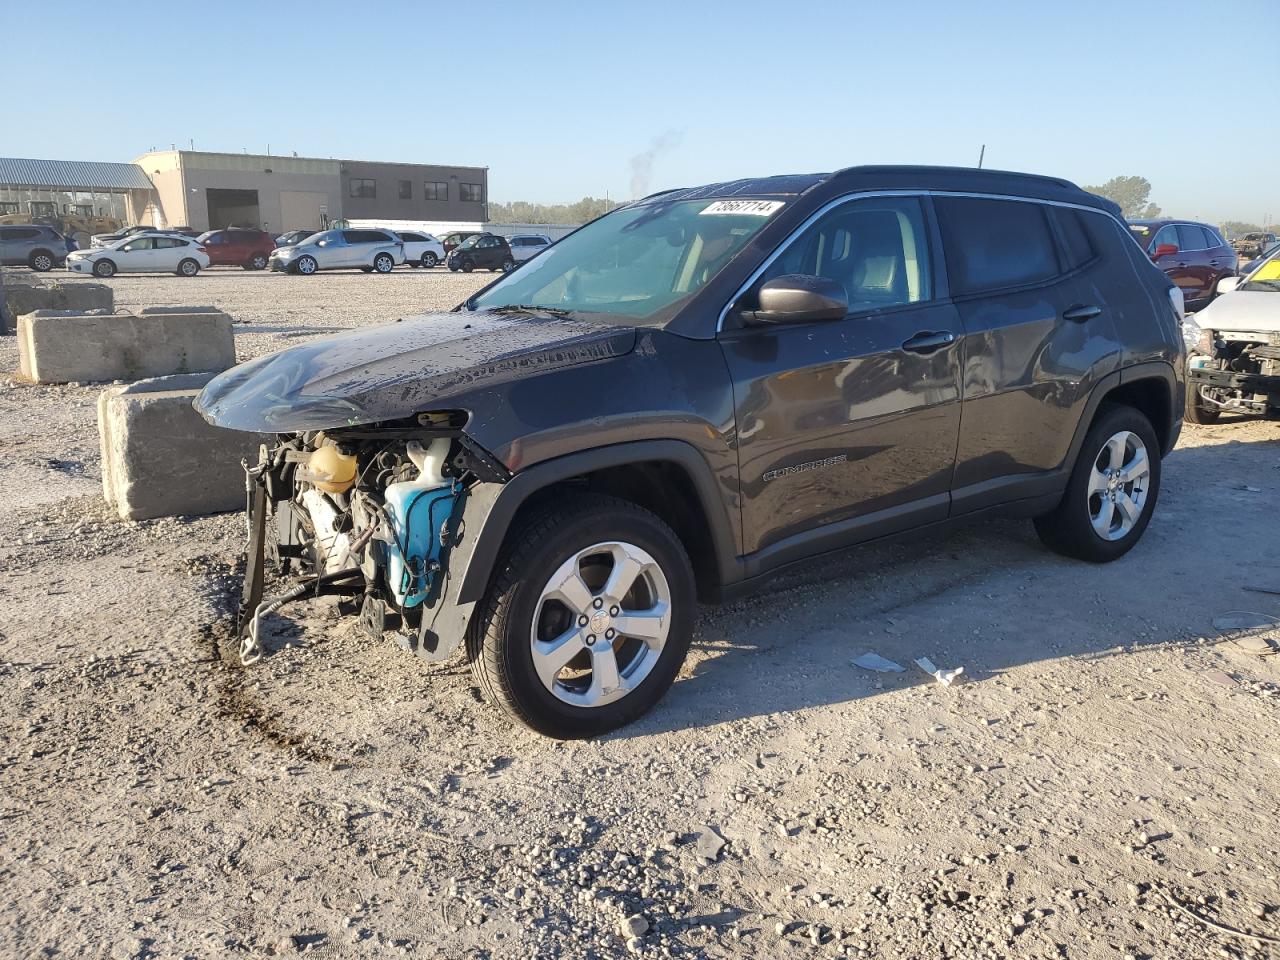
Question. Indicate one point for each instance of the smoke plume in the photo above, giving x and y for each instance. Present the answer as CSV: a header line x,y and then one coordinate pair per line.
x,y
642,163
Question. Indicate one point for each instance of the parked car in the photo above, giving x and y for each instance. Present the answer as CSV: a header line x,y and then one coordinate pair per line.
x,y
369,250
294,237
33,245
482,250
526,245
142,253
1252,245
249,249
105,239
451,240
1251,265
1193,255
1234,365
698,390
421,249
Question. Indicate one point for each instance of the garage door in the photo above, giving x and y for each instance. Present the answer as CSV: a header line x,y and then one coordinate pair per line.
x,y
300,209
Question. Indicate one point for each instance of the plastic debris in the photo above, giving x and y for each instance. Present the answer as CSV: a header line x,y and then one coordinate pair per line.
x,y
944,677
873,661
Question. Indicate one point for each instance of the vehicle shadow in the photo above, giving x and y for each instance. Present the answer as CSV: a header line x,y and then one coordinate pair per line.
x,y
987,597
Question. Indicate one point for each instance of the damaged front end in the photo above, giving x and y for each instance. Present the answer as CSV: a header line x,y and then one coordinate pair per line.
x,y
372,513
1237,372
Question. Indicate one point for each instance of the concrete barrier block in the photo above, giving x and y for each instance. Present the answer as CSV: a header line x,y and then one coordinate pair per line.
x,y
161,459
61,346
23,298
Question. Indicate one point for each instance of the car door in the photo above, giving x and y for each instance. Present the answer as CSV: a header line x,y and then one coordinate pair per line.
x,y
6,245
136,256
1173,262
169,252
846,429
1222,259
1037,338
1193,259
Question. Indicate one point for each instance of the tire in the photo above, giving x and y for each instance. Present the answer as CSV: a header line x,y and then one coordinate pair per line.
x,y
467,266
257,262
501,639
104,268
1197,410
41,261
306,265
188,268
428,260
508,265
384,263
1074,527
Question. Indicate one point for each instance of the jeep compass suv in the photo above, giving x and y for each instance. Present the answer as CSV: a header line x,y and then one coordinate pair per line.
x,y
696,390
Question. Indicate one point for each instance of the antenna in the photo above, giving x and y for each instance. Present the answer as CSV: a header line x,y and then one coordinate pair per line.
x,y
981,153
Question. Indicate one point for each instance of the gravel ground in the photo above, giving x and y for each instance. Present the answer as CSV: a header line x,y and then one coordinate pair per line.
x,y
1101,784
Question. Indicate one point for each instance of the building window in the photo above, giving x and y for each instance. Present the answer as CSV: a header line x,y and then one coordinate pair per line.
x,y
406,190
473,192
42,208
367,189
8,207
80,209
435,190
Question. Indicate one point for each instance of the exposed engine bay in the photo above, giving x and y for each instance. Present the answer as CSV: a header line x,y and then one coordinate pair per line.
x,y
369,513
1234,371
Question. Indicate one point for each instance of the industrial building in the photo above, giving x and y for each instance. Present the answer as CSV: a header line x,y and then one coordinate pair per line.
x,y
170,188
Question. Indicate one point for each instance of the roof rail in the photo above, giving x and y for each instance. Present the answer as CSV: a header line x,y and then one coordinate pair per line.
x,y
981,171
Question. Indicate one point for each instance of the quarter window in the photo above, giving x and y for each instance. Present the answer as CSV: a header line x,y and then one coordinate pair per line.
x,y
472,191
367,189
876,248
1075,238
435,190
992,244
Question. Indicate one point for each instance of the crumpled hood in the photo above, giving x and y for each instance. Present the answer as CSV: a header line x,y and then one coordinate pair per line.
x,y
1244,310
418,364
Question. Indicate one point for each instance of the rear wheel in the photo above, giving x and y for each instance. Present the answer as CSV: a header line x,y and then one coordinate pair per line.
x,y
596,643
188,268
429,259
104,268
41,261
1198,410
384,263
1112,490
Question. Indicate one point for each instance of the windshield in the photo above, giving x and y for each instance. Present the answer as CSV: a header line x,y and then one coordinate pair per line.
x,y
636,264
1265,276
468,243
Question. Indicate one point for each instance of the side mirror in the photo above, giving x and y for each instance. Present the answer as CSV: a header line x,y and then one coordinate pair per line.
x,y
1164,250
1227,284
798,298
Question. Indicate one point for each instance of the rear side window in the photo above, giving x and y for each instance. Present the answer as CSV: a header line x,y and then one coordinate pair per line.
x,y
992,244
1190,237
1076,247
412,238
21,233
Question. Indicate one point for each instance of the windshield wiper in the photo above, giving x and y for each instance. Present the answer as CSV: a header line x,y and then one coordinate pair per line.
x,y
529,307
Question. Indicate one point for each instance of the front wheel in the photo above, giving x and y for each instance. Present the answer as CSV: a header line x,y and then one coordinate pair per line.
x,y
188,268
306,266
508,265
467,266
257,262
1198,410
104,269
1112,490
383,263
596,643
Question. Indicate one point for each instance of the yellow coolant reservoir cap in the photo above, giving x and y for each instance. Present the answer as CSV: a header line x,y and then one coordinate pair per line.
x,y
330,470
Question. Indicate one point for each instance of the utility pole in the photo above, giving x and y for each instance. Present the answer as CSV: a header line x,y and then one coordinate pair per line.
x,y
981,153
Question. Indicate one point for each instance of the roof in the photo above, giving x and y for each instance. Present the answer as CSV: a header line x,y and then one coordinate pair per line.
x,y
886,177
72,174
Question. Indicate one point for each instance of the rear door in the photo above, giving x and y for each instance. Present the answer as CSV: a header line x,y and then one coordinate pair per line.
x,y
1037,337
847,429
169,252
1193,259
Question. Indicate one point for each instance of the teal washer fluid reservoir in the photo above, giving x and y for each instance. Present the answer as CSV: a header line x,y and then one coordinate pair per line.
x,y
417,509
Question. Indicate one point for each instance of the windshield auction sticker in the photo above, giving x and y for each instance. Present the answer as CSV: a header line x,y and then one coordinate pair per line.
x,y
755,208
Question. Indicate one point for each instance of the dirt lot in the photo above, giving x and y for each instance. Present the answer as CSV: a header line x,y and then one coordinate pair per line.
x,y
1107,757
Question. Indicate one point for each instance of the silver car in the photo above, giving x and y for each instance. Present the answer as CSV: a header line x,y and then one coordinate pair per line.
x,y
373,251
33,245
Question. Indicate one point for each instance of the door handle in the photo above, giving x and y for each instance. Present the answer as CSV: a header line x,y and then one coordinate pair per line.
x,y
927,342
1081,313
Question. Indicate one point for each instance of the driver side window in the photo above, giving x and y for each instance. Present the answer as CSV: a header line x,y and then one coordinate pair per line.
x,y
875,248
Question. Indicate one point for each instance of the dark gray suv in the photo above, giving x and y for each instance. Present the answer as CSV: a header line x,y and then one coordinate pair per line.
x,y
696,391
34,245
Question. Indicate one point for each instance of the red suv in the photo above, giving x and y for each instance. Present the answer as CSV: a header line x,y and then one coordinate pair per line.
x,y
1194,255
236,247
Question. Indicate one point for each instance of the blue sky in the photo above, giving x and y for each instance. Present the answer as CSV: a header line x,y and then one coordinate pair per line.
x,y
557,99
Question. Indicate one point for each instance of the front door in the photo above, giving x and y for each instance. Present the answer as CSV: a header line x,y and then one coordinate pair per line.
x,y
847,429
139,255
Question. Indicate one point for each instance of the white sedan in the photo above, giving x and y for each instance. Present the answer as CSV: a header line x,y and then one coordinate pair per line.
x,y
149,253
421,249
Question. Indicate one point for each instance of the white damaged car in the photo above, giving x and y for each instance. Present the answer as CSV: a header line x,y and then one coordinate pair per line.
x,y
1234,364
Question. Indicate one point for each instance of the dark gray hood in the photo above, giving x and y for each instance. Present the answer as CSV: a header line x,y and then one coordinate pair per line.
x,y
418,364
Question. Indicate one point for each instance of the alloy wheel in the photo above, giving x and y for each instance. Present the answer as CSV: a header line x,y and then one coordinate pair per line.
x,y
42,262
1118,485
600,624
